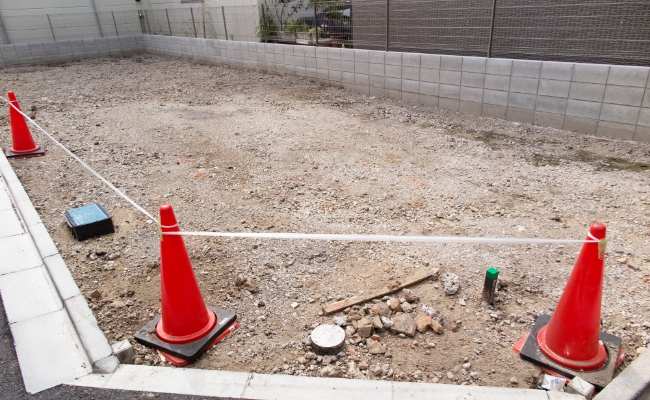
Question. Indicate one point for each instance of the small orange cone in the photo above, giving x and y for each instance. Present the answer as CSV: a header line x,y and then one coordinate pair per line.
x,y
187,327
23,145
570,342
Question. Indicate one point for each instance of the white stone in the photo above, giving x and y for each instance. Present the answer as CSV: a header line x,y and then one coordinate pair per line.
x,y
48,350
123,351
18,253
28,294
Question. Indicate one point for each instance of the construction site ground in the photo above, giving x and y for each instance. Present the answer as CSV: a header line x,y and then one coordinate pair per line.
x,y
243,151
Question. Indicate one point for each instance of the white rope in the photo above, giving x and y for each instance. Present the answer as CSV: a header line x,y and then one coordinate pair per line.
x,y
92,171
380,238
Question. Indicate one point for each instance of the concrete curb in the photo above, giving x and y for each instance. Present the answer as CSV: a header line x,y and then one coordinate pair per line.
x,y
631,384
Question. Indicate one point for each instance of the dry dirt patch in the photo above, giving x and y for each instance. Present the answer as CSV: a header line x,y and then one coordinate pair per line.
x,y
244,151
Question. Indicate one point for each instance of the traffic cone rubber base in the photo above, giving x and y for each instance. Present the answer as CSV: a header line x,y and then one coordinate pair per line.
x,y
529,350
181,354
36,153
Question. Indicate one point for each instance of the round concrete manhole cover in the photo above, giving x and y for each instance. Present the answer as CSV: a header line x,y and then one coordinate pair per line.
x,y
328,339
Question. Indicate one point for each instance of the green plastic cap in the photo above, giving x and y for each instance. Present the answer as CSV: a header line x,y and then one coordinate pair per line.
x,y
492,273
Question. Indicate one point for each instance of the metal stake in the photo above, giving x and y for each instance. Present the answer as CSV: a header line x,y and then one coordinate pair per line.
x,y
168,24
101,33
52,29
5,37
193,24
146,17
203,20
115,24
316,23
225,28
494,9
387,22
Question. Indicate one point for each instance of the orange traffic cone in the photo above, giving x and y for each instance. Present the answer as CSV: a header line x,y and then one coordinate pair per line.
x,y
570,342
187,327
23,145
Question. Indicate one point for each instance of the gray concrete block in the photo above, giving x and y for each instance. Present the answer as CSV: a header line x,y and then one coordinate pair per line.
x,y
469,107
335,76
554,105
361,79
311,52
300,51
376,57
429,89
451,63
376,69
350,86
493,111
393,94
581,125
299,70
410,86
332,53
391,58
291,60
106,365
392,71
450,77
433,76
393,83
347,66
430,61
590,73
449,91
323,75
411,97
361,55
310,62
615,130
523,85
619,114
495,97
472,79
347,77
522,101
583,109
310,72
334,65
553,88
644,117
429,100
625,95
411,73
556,70
520,115
642,134
449,104
376,81
628,76
497,82
471,94
526,69
548,119
123,351
587,91
377,91
346,54
411,60
18,253
270,57
474,64
28,294
361,68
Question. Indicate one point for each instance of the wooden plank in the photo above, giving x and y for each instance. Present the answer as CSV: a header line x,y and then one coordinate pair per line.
x,y
374,293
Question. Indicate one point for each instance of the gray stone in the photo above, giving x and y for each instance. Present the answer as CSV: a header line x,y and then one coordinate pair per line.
x,y
403,323
365,327
450,283
123,351
409,296
340,321
430,311
386,322
349,330
331,372
406,307
381,309
376,348
376,322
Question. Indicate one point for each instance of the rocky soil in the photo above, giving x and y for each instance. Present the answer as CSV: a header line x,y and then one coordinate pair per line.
x,y
235,150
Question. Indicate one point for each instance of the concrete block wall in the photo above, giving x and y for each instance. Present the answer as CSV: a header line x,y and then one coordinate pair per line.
x,y
69,50
602,100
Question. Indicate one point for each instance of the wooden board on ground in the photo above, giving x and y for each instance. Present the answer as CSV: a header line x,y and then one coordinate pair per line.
x,y
374,293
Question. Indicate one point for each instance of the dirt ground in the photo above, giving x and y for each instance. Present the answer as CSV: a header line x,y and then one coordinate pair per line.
x,y
236,150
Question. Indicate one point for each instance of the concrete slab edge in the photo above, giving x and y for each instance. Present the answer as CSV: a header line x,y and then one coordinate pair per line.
x,y
631,384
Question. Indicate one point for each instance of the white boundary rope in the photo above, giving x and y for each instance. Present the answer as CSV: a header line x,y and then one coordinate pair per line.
x,y
309,236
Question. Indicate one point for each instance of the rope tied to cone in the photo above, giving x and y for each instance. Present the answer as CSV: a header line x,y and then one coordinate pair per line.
x,y
602,245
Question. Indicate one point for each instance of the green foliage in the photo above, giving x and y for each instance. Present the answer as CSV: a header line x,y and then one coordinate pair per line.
x,y
293,25
267,29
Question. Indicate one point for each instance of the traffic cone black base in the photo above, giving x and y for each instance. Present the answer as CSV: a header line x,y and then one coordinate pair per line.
x,y
529,350
36,153
226,323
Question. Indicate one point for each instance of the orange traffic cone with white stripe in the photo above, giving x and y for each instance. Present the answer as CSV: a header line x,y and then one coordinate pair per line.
x,y
23,145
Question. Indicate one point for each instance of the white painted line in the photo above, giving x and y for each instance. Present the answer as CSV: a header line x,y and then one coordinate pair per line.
x,y
28,294
48,351
18,253
10,225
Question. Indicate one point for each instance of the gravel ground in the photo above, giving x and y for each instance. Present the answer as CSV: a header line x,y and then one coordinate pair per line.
x,y
236,150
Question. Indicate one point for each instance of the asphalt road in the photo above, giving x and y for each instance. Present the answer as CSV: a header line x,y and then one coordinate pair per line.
x,y
12,388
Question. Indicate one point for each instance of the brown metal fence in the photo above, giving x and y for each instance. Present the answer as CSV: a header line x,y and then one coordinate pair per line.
x,y
612,31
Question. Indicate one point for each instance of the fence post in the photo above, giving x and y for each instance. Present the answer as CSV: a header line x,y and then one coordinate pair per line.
x,y
146,17
316,33
168,24
115,24
494,9
101,33
5,37
223,15
387,23
203,20
141,19
52,29
193,24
